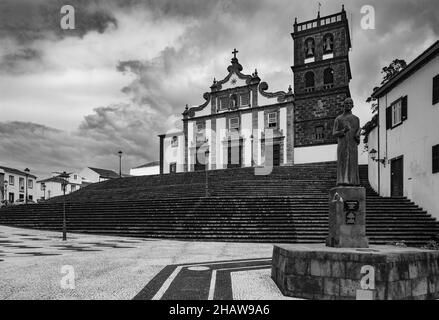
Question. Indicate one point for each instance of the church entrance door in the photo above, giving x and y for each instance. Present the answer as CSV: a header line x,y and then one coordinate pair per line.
x,y
234,155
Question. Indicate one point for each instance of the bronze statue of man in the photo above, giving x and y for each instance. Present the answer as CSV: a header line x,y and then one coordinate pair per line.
x,y
347,130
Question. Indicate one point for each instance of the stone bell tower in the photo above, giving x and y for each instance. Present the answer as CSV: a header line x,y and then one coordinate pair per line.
x,y
321,77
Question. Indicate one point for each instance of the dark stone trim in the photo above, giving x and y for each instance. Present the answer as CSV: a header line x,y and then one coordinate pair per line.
x,y
162,137
322,93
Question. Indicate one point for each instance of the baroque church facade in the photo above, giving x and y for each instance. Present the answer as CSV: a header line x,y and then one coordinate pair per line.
x,y
242,124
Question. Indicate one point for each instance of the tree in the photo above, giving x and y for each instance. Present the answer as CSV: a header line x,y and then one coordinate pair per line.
x,y
393,69
389,72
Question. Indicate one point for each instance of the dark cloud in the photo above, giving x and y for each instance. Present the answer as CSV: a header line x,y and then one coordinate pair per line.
x,y
30,20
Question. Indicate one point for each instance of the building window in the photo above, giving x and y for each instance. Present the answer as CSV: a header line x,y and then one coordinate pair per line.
x,y
173,167
174,142
436,158
224,103
234,123
328,78
11,180
320,135
272,120
436,89
72,188
75,177
396,113
309,81
30,184
245,99
21,184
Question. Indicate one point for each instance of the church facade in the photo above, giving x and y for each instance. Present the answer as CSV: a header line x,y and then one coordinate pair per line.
x,y
242,124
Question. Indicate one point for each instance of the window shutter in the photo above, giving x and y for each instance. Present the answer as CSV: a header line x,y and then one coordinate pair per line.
x,y
436,159
404,108
436,89
389,118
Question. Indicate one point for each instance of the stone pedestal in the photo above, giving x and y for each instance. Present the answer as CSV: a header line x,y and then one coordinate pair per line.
x,y
347,218
379,273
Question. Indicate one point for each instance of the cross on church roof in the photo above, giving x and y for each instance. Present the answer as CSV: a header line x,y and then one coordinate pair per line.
x,y
234,53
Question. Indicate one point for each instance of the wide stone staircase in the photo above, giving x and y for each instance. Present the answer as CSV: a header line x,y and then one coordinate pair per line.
x,y
289,205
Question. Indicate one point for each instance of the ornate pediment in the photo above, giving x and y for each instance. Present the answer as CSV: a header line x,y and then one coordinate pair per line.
x,y
235,91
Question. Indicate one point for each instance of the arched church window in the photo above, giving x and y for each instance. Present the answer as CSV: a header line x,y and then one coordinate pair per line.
x,y
328,44
328,78
310,48
309,81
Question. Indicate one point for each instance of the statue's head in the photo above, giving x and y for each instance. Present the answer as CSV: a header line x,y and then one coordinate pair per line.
x,y
348,104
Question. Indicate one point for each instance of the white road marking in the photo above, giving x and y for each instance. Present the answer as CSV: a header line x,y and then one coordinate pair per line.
x,y
212,285
166,284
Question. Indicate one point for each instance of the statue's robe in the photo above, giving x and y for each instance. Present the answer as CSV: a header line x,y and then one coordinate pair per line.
x,y
347,149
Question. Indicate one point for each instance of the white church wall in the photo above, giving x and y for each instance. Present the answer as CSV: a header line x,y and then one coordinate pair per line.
x,y
260,128
145,171
208,135
190,130
220,134
283,127
246,131
315,154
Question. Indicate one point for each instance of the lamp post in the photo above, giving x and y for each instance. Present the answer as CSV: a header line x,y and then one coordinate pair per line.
x,y
120,164
27,181
64,182
373,156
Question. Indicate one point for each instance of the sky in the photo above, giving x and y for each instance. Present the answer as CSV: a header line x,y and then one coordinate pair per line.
x,y
74,98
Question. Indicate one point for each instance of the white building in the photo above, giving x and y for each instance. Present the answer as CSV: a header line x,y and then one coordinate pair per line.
x,y
14,185
147,169
406,135
94,175
52,187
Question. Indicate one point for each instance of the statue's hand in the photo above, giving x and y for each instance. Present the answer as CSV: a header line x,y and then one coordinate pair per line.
x,y
346,129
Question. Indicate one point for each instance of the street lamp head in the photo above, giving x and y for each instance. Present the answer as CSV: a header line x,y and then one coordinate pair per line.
x,y
373,154
120,153
27,170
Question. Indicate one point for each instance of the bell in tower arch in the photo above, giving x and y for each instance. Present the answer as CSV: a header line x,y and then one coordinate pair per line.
x,y
310,47
328,43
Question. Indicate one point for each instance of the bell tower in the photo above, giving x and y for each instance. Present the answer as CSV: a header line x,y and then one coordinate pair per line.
x,y
321,77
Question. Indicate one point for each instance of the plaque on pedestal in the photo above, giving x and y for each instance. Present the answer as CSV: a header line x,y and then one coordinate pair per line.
x,y
347,218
